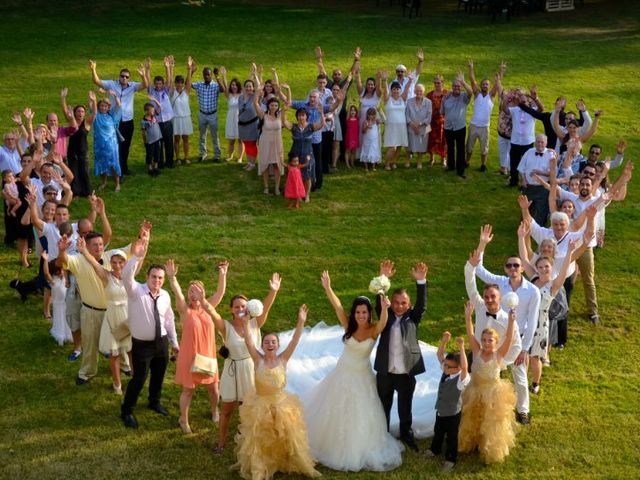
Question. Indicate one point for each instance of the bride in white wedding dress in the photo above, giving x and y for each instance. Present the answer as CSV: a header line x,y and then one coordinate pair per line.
x,y
345,420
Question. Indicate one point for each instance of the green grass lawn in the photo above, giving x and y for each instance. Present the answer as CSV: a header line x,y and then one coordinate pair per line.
x,y
585,421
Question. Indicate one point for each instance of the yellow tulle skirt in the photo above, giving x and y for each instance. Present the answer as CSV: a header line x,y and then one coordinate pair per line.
x,y
488,422
272,437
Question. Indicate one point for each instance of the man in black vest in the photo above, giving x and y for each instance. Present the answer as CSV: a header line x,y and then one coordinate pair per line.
x,y
398,358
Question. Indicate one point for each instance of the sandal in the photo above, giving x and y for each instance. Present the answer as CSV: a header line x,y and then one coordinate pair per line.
x,y
218,450
216,417
184,426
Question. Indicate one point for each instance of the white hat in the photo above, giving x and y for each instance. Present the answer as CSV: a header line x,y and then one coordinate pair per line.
x,y
401,67
119,253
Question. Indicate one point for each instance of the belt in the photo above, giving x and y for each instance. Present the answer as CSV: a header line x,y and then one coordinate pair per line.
x,y
208,113
94,308
248,122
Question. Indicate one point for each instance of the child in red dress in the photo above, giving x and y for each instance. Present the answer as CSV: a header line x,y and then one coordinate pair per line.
x,y
294,188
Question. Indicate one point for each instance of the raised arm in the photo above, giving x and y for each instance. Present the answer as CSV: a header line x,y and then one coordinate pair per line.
x,y
320,61
472,77
564,268
470,277
464,368
560,103
384,75
94,74
256,105
191,68
420,57
36,221
248,341
106,226
593,128
216,298
302,318
385,303
524,204
508,336
524,231
334,300
468,321
465,85
172,270
446,336
274,286
319,125
68,113
45,267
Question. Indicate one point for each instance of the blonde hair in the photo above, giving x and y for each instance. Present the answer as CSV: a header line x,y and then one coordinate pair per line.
x,y
493,332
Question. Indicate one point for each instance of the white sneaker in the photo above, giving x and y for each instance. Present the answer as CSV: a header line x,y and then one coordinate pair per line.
x,y
447,466
117,389
429,454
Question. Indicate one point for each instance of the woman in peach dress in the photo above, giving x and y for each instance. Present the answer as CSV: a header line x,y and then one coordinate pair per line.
x,y
198,316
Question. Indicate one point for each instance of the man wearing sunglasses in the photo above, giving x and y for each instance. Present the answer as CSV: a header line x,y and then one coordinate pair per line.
x,y
526,315
125,90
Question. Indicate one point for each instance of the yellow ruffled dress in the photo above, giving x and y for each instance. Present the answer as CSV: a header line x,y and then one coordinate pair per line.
x,y
488,422
272,434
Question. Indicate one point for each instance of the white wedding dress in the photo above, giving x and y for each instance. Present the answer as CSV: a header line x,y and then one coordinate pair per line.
x,y
345,419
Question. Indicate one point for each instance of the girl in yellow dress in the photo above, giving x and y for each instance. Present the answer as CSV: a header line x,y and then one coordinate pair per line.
x,y
487,422
272,434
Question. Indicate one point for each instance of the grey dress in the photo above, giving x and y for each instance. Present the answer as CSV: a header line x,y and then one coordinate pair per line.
x,y
247,119
422,115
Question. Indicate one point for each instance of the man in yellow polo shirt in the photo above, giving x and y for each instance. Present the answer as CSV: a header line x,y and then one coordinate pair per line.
x,y
92,294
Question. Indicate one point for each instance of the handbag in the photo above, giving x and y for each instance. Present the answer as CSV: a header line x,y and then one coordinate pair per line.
x,y
224,351
205,365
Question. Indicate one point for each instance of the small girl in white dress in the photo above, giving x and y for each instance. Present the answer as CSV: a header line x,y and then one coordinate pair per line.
x,y
55,276
182,126
370,151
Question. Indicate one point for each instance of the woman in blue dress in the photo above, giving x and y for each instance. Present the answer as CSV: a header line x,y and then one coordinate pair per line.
x,y
301,133
105,139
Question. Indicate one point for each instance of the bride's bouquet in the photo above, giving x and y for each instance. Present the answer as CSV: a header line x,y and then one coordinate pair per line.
x,y
379,285
255,308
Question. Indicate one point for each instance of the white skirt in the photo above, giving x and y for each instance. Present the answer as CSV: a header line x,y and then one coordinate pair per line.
x,y
395,135
182,126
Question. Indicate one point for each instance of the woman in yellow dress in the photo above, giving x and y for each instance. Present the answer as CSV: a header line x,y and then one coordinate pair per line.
x,y
488,422
272,434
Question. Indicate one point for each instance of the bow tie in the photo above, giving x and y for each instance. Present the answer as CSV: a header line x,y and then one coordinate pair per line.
x,y
538,154
494,315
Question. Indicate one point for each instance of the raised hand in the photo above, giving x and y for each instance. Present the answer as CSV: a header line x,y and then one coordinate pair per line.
x,y
446,337
533,91
92,65
198,292
419,271
141,70
28,114
223,267
145,230
580,105
326,280
524,228
92,96
64,92
420,55
470,63
81,245
63,243
302,312
99,206
524,202
460,342
620,147
598,113
387,268
385,303
319,54
171,268
17,118
468,309
474,258
223,70
139,248
274,283
357,54
459,76
486,234
44,255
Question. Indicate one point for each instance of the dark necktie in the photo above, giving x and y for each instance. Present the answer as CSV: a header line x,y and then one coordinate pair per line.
x,y
538,154
156,317
444,377
494,315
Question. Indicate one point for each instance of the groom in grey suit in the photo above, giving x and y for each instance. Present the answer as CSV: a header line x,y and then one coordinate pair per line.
x,y
398,358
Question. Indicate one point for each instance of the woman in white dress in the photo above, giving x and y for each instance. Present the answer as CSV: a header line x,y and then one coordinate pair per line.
x,y
346,423
369,95
182,126
395,127
231,126
115,338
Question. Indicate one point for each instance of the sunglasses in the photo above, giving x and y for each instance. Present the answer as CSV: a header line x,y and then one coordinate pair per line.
x,y
512,265
124,76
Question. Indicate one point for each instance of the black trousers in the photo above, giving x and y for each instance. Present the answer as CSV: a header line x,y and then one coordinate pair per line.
x,y
539,198
152,152
405,385
126,130
455,149
562,324
317,156
446,427
327,150
147,356
166,144
515,155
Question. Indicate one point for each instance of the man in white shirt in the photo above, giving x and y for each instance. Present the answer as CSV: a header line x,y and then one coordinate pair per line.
x,y
402,75
152,326
482,107
9,154
489,314
527,311
536,161
523,132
